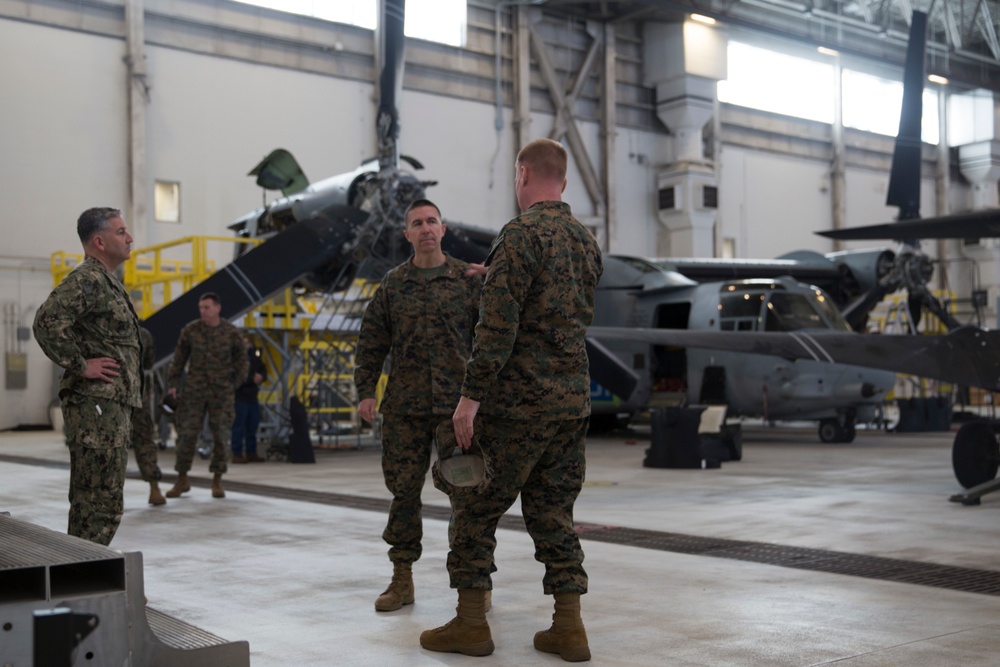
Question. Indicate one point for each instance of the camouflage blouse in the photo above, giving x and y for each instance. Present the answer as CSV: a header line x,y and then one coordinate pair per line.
x,y
216,357
426,324
529,360
89,315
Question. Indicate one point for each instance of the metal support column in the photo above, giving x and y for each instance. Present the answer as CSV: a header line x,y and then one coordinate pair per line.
x,y
609,120
138,98
942,182
838,181
521,45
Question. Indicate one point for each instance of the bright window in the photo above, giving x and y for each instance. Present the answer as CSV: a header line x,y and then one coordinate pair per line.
x,y
872,104
434,20
771,81
166,201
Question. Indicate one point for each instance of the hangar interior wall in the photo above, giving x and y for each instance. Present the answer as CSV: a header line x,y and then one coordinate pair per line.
x,y
212,116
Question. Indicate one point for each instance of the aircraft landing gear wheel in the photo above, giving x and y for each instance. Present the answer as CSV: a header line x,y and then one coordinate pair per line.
x,y
831,430
975,454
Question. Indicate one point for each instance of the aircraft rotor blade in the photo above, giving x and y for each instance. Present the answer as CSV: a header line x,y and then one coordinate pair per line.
x,y
916,306
975,225
390,82
925,299
904,179
966,356
857,312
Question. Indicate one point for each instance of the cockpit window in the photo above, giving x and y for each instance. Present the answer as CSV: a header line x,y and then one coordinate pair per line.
x,y
790,312
830,312
740,310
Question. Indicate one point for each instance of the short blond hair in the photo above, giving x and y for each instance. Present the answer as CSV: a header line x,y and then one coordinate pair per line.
x,y
546,158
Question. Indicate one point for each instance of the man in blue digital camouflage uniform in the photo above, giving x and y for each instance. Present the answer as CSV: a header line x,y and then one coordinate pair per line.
x,y
422,314
528,381
88,327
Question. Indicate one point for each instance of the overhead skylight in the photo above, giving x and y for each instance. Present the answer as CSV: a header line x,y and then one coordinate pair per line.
x,y
440,21
772,81
804,88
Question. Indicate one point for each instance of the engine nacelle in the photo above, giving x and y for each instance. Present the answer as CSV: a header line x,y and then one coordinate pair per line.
x,y
865,266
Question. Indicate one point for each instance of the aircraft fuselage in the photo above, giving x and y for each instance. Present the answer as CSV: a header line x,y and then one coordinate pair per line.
x,y
752,385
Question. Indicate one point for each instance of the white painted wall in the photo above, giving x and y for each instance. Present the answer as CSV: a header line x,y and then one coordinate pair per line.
x,y
62,150
63,147
772,204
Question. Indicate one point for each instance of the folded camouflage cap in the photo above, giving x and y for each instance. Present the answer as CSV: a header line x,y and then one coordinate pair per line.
x,y
454,466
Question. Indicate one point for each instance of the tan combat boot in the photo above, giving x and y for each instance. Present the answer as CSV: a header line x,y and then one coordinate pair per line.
x,y
180,486
566,637
155,497
468,633
400,589
217,490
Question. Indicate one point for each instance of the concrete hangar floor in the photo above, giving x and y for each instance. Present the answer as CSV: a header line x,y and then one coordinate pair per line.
x,y
800,554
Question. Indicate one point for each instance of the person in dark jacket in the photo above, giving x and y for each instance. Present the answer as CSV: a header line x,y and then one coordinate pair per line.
x,y
248,408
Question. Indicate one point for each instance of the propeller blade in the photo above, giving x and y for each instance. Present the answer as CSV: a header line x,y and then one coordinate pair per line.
x,y
857,312
926,299
915,303
904,180
966,356
975,225
390,81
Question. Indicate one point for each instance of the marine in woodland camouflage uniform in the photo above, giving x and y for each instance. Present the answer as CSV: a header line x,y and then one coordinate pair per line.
x,y
88,327
216,361
528,382
143,430
421,316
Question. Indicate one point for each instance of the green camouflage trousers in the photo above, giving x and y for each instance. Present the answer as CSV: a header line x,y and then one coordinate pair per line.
x,y
144,445
97,432
190,417
406,456
545,462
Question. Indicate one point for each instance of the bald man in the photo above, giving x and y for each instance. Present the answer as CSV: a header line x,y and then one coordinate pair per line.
x,y
526,396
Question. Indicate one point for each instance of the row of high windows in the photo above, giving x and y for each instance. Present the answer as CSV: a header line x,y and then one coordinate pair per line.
x,y
758,78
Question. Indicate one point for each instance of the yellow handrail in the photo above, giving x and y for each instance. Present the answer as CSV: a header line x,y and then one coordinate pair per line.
x,y
154,276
